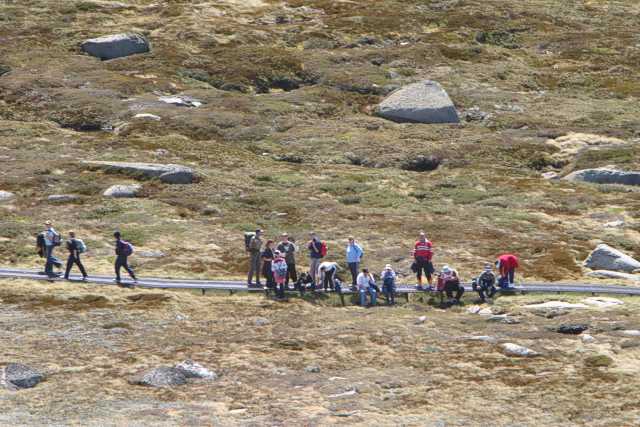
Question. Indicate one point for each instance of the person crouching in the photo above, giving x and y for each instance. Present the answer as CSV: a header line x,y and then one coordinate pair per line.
x,y
449,282
485,283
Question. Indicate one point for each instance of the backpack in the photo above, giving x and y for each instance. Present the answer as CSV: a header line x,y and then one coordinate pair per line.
x,y
247,240
81,247
40,244
323,249
56,239
127,248
281,268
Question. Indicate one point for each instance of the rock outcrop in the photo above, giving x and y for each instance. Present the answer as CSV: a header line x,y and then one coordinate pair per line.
x,y
573,144
604,257
160,377
170,174
62,198
191,369
18,376
123,191
423,102
605,176
115,46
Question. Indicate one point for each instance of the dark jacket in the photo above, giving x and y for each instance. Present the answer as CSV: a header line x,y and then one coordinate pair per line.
x,y
121,248
72,247
315,248
288,249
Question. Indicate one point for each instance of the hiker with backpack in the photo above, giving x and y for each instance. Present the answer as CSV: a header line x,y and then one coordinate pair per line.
x,y
423,254
75,248
52,239
279,271
317,251
388,277
326,275
485,283
288,250
354,257
449,282
124,250
266,259
253,245
506,265
366,285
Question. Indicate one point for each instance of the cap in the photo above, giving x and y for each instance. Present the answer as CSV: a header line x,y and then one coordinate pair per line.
x,y
446,269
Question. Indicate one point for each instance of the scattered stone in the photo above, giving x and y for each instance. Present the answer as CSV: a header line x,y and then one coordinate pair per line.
x,y
474,114
605,274
62,198
598,361
181,101
586,338
19,376
423,102
160,377
551,176
604,257
348,393
603,302
572,329
421,320
119,331
122,191
614,224
313,369
191,369
555,305
170,174
6,195
147,116
116,46
483,311
151,254
503,318
605,176
632,343
483,338
181,317
516,350
211,211
261,321
421,163
631,332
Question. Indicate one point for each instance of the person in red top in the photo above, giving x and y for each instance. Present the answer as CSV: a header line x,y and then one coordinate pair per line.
x,y
506,265
423,253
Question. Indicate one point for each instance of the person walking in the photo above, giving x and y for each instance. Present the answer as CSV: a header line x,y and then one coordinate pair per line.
x,y
326,274
366,285
52,239
388,277
255,249
75,248
288,250
354,257
506,265
124,250
267,258
423,254
279,270
317,251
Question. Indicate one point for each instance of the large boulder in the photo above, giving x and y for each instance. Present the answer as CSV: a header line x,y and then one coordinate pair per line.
x,y
17,376
191,369
170,174
604,257
423,102
605,176
115,46
160,377
122,191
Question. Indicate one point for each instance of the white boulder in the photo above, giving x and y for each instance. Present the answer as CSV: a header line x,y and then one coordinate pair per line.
x,y
181,101
604,257
147,116
123,191
631,333
511,349
6,196
606,274
62,198
555,305
603,302
116,46
422,102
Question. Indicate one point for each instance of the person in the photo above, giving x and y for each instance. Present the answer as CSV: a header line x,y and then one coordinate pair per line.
x,y
388,277
288,250
266,258
354,257
326,274
279,270
423,254
506,265
366,285
485,283
51,240
75,248
315,256
255,248
124,249
449,282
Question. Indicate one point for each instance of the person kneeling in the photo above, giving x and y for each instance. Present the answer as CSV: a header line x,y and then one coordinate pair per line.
x,y
449,282
366,285
485,283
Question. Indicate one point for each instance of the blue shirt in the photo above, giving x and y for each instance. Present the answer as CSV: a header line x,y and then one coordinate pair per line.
x,y
354,253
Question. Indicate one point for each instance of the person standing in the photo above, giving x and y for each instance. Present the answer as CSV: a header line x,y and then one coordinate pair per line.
x,y
326,275
267,258
354,257
316,254
507,264
75,248
366,285
124,250
288,250
51,240
279,270
423,254
388,277
255,249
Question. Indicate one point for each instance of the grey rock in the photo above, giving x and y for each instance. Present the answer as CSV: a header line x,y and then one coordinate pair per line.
x,y
122,191
62,198
511,349
604,257
181,101
423,102
170,174
313,369
147,116
18,376
191,369
261,321
606,274
211,211
151,254
572,329
551,175
6,195
605,176
116,46
160,377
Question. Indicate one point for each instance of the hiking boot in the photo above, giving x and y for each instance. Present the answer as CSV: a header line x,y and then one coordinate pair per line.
x,y
85,278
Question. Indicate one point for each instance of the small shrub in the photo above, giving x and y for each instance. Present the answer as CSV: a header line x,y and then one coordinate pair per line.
x,y
505,39
350,200
598,361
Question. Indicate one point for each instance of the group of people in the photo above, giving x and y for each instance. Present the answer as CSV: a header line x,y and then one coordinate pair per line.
x,y
49,239
276,262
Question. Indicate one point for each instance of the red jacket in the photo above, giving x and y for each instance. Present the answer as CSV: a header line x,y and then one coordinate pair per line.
x,y
507,262
423,250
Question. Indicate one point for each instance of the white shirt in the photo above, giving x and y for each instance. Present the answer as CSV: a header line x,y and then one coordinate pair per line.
x,y
364,280
328,266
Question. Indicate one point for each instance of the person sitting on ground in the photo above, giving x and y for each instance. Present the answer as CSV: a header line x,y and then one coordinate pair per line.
x,y
449,282
366,285
485,283
51,240
388,277
288,250
266,258
326,274
423,254
75,248
354,257
506,265
123,252
255,250
279,270
304,280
